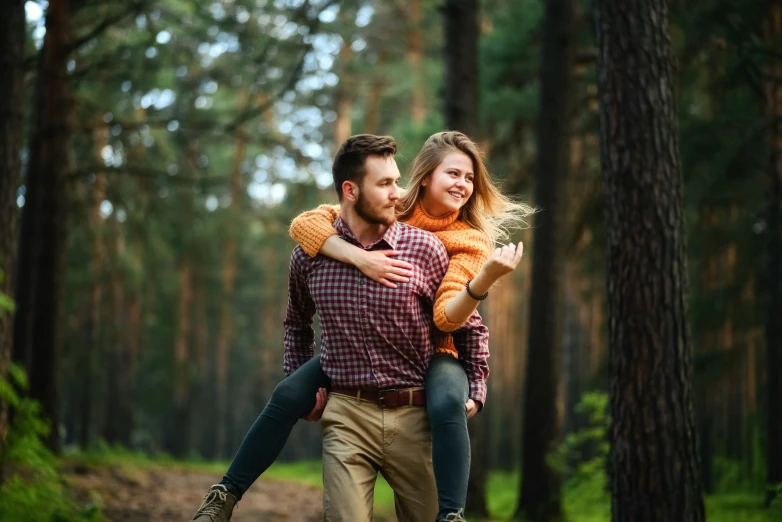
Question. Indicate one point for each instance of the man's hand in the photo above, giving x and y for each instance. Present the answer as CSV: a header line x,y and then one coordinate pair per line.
x,y
321,398
381,266
472,408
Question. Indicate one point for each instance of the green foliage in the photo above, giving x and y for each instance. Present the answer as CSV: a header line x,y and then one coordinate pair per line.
x,y
6,303
34,491
585,452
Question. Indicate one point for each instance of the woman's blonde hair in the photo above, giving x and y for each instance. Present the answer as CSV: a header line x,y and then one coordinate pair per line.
x,y
488,209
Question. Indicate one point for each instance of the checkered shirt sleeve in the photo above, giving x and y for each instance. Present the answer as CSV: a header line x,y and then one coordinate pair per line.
x,y
299,335
472,341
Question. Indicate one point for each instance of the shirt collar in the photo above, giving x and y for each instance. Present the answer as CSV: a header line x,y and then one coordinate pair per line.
x,y
391,237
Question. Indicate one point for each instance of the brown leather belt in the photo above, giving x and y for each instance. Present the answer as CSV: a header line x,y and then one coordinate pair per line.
x,y
386,399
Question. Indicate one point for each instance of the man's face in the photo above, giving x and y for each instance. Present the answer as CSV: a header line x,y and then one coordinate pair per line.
x,y
378,191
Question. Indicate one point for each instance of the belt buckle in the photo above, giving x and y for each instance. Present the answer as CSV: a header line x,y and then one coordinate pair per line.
x,y
381,397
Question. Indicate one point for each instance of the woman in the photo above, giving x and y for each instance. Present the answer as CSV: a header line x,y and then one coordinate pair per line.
x,y
452,195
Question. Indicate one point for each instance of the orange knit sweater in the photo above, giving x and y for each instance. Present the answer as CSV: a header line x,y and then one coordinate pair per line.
x,y
468,249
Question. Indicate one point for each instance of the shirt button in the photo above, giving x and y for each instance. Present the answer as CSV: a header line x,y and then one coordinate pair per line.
x,y
363,313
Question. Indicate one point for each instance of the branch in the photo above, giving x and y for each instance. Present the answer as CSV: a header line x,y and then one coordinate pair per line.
x,y
289,84
96,31
146,172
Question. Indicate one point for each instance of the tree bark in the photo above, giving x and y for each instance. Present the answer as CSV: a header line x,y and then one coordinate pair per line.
x,y
42,239
180,425
12,32
344,96
226,328
654,455
461,65
540,496
774,261
115,429
460,110
203,427
92,328
415,55
181,357
375,97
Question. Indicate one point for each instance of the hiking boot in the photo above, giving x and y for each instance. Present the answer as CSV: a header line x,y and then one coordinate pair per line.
x,y
218,506
453,517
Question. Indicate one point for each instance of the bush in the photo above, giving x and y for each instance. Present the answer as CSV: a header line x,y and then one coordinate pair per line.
x,y
34,490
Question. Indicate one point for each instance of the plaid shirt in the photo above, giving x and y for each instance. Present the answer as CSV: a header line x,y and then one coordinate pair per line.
x,y
374,336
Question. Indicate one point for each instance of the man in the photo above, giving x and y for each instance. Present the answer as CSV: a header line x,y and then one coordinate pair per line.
x,y
376,343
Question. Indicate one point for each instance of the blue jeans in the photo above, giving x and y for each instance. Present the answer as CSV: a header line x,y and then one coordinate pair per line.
x,y
446,394
294,397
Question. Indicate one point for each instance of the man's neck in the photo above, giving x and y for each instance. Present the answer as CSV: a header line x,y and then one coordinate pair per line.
x,y
365,233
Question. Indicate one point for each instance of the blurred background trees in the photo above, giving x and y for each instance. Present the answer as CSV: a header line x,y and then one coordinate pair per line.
x,y
166,145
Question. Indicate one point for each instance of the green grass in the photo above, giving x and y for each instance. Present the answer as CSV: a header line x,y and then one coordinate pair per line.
x,y
585,503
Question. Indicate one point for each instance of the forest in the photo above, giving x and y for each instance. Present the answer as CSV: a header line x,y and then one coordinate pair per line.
x,y
154,153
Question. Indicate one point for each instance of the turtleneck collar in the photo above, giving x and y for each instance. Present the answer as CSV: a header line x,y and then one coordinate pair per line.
x,y
425,221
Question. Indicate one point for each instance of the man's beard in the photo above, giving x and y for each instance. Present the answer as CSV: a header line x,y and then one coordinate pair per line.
x,y
371,215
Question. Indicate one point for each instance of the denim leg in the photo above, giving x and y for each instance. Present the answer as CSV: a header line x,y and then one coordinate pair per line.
x,y
446,394
293,398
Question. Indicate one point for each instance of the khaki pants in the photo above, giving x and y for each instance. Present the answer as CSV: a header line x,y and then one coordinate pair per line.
x,y
360,439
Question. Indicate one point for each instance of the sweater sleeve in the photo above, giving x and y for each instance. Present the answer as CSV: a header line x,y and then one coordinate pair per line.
x,y
468,251
312,228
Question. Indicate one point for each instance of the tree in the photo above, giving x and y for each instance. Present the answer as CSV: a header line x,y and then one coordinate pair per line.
x,y
654,455
41,248
225,335
541,484
461,65
12,28
461,113
774,259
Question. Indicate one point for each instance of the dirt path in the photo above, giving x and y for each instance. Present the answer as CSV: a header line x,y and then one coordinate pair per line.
x,y
158,494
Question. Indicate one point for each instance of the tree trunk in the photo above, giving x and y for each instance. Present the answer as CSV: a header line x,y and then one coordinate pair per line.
x,y
415,55
92,328
461,113
344,96
654,455
12,32
540,496
774,261
181,442
130,353
114,427
375,97
203,428
461,65
226,328
42,239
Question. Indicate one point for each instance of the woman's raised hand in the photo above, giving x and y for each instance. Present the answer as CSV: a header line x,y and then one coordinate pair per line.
x,y
503,261
381,266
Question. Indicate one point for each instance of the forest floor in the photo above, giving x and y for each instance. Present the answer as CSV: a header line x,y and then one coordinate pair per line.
x,y
128,488
153,493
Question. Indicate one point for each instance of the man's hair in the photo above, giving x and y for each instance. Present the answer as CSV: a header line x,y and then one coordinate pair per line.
x,y
349,161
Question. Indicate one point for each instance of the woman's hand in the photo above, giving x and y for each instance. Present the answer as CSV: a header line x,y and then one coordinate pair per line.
x,y
380,266
503,261
472,408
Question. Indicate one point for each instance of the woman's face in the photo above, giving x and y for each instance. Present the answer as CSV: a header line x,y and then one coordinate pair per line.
x,y
449,186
